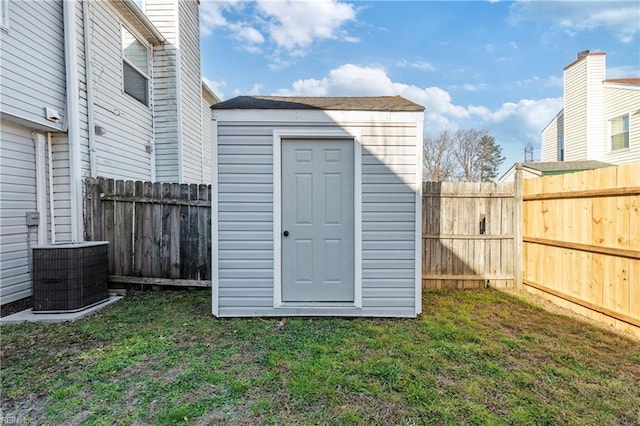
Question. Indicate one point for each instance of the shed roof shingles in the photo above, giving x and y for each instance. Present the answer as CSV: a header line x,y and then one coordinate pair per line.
x,y
375,103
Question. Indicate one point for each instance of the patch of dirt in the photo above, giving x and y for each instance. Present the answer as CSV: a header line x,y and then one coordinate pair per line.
x,y
23,411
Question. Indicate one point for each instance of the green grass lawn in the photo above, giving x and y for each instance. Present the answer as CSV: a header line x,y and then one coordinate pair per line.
x,y
473,357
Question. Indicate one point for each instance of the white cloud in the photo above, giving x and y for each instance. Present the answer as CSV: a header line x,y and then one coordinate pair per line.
x,y
620,17
470,87
421,65
525,118
295,24
283,27
623,71
245,32
254,90
549,81
353,80
513,123
216,86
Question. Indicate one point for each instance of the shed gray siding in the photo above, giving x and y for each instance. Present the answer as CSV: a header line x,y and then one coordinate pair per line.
x,y
32,65
245,218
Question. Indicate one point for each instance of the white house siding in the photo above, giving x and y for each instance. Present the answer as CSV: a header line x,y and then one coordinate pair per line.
x,y
32,65
121,152
549,150
17,197
61,187
575,111
164,15
595,107
583,96
619,101
191,91
245,185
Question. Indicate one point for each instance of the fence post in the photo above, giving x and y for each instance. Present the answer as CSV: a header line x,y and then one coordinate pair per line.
x,y
517,227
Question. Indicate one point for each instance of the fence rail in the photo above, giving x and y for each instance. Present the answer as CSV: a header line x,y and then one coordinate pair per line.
x,y
572,238
581,242
468,238
158,231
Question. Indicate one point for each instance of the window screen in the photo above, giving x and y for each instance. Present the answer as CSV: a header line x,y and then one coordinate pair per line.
x,y
620,132
135,67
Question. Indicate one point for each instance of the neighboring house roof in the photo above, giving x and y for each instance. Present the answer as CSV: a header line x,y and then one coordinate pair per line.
x,y
544,168
548,167
377,103
553,119
139,20
634,81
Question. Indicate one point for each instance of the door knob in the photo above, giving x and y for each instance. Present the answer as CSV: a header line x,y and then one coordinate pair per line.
x,y
285,233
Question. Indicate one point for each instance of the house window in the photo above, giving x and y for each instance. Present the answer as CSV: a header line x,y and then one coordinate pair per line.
x,y
620,132
4,18
560,130
135,67
560,148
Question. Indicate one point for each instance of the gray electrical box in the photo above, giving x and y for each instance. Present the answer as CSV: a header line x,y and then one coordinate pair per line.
x,y
33,218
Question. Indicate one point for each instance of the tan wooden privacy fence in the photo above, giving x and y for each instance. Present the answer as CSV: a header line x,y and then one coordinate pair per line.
x,y
468,238
159,233
582,242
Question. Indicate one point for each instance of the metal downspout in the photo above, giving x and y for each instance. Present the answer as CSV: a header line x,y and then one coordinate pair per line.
x,y
52,209
73,118
89,82
41,186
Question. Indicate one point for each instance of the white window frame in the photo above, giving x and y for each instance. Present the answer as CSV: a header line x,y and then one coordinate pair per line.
x,y
4,18
147,75
611,135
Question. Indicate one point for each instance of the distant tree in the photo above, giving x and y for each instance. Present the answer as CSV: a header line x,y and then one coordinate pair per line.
x,y
466,151
490,158
439,163
477,154
470,155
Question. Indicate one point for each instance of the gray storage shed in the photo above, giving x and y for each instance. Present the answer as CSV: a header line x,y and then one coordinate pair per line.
x,y
316,206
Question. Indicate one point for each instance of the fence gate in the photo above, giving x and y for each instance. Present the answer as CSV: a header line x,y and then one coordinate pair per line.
x,y
468,238
159,233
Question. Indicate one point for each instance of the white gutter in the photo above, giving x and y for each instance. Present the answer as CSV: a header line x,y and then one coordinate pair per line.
x,y
41,186
86,17
52,209
73,118
133,8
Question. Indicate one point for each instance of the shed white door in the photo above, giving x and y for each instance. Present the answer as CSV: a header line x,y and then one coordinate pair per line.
x,y
317,221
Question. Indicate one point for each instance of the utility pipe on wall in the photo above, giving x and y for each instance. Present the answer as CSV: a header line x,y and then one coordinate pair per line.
x,y
41,186
86,18
52,209
73,118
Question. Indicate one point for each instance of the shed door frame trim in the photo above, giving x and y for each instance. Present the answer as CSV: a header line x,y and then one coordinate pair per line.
x,y
316,133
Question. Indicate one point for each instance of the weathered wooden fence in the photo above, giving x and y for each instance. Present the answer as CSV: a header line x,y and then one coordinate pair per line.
x,y
160,233
469,236
582,242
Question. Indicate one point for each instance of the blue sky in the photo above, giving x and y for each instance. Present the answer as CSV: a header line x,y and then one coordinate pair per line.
x,y
495,65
